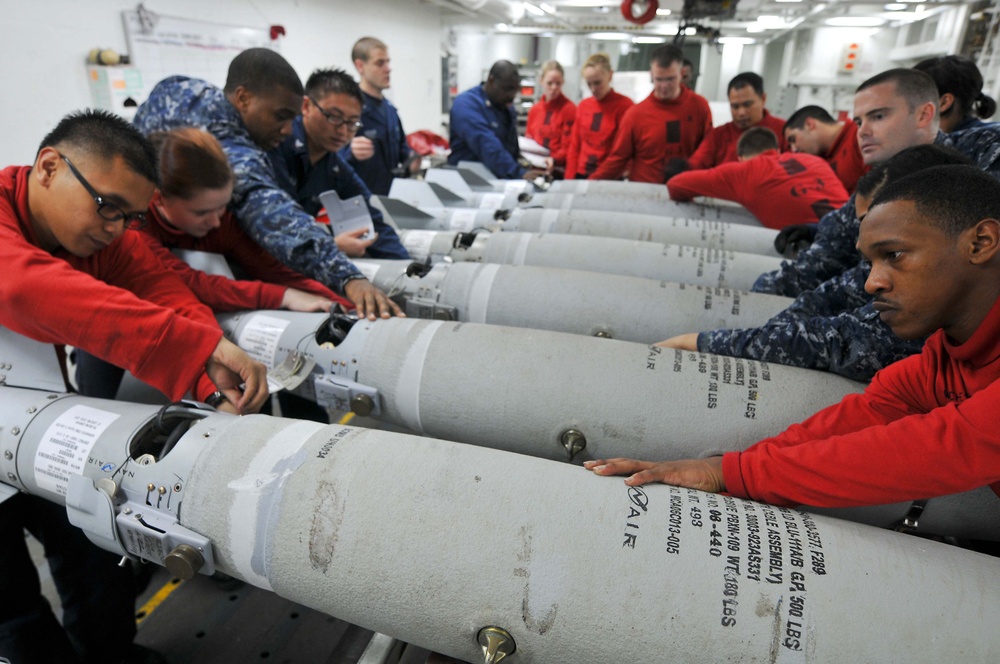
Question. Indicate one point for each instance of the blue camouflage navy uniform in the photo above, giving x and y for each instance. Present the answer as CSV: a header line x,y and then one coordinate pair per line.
x,y
265,211
482,132
832,325
306,181
381,125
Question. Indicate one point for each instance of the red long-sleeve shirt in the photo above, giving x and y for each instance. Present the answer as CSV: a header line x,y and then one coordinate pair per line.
x,y
925,427
229,240
594,131
550,124
719,147
845,157
778,189
653,132
120,304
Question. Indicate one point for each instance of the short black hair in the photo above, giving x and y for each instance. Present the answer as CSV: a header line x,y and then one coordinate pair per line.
x,y
102,135
332,81
756,140
914,86
959,76
797,120
504,70
755,81
953,198
665,55
261,70
906,162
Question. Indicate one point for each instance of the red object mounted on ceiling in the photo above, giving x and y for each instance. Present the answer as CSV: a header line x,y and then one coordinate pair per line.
x,y
277,31
645,17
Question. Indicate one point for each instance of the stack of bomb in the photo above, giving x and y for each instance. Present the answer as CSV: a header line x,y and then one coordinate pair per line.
x,y
631,258
432,193
589,303
618,197
464,546
650,228
547,394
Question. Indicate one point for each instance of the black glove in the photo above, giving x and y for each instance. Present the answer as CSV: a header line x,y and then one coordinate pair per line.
x,y
795,238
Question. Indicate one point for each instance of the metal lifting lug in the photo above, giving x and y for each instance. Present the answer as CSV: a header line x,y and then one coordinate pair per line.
x,y
497,644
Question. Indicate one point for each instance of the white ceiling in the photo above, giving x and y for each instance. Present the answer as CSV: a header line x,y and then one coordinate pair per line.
x,y
766,19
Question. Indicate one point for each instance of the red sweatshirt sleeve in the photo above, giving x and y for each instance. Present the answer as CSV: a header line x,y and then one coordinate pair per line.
x,y
704,156
573,151
567,116
218,292
887,445
728,181
261,265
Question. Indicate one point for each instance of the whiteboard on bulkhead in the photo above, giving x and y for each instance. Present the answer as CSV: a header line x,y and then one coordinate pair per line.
x,y
162,46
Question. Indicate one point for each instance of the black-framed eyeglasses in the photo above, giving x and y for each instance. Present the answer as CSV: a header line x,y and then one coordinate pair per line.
x,y
108,211
336,119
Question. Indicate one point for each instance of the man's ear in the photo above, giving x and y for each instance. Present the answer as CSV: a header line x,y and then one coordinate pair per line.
x,y
47,164
925,114
359,64
946,103
810,124
985,241
763,98
241,98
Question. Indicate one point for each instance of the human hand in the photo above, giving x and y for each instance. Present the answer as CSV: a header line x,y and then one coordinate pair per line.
x,y
701,474
533,173
795,238
687,341
297,300
370,301
362,148
351,243
228,367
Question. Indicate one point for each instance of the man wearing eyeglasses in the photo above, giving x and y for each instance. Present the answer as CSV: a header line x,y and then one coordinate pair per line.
x,y
307,163
74,275
251,115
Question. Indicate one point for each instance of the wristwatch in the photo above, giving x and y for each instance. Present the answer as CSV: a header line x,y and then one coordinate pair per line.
x,y
215,399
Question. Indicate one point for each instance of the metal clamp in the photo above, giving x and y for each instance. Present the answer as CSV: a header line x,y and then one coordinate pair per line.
x,y
911,520
574,441
340,393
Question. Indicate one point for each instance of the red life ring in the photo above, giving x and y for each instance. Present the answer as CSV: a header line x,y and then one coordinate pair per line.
x,y
645,17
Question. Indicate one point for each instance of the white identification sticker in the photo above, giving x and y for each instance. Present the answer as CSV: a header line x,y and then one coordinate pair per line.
x,y
462,220
492,201
515,186
260,336
418,244
66,444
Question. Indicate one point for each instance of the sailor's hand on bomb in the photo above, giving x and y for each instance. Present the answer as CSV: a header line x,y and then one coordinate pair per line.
x,y
701,474
297,300
229,367
350,242
683,341
370,301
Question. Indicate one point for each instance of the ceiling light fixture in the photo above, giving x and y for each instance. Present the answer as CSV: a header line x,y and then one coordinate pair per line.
x,y
855,22
528,7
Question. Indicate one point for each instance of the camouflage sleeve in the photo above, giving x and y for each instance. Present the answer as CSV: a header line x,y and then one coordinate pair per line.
x,y
854,344
982,145
844,292
831,253
276,222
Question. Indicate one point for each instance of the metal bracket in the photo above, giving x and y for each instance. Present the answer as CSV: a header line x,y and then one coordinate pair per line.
x,y
342,394
429,309
911,520
135,530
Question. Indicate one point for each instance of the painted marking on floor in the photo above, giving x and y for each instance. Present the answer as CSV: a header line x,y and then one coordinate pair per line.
x,y
161,595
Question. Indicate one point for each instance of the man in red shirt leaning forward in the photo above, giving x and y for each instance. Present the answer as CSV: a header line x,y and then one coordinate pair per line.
x,y
779,189
668,124
926,426
746,101
814,131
